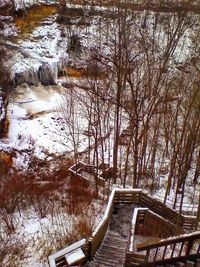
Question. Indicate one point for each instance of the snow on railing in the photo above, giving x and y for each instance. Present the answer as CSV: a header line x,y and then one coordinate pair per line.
x,y
133,226
59,256
87,172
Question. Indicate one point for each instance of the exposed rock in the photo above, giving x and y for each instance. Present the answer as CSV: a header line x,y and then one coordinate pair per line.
x,y
4,124
6,158
6,19
6,7
22,5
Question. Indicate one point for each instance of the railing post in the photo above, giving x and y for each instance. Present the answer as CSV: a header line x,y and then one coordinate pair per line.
x,y
133,196
181,249
147,255
163,257
189,247
90,249
139,197
172,254
156,254
198,249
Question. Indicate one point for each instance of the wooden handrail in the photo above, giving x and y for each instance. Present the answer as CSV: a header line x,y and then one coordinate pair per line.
x,y
168,241
99,233
185,248
186,222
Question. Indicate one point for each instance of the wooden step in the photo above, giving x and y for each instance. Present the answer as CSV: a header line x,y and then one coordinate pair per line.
x,y
190,264
111,247
112,251
109,263
107,260
112,256
115,239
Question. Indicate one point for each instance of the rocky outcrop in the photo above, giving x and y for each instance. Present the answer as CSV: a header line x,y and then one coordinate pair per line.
x,y
6,19
6,7
3,115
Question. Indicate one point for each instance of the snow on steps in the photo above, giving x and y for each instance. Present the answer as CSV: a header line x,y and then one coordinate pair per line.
x,y
112,251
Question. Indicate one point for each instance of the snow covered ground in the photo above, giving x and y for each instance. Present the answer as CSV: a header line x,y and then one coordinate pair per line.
x,y
38,237
22,4
37,124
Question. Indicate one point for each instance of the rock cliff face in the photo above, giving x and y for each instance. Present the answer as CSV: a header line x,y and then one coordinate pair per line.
x,y
32,38
6,19
29,34
3,112
6,7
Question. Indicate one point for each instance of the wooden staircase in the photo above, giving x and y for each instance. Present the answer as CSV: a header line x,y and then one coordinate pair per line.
x,y
107,245
112,251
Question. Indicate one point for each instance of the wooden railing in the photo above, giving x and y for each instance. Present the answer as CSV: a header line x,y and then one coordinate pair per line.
x,y
58,258
100,231
81,170
186,222
137,197
172,249
188,208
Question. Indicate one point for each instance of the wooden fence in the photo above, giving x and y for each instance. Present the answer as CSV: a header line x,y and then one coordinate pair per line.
x,y
186,222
